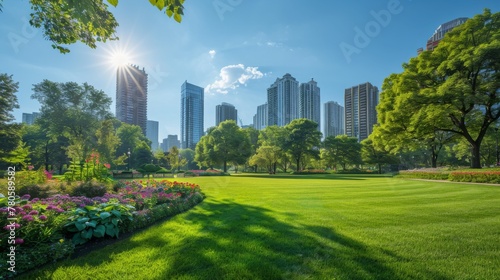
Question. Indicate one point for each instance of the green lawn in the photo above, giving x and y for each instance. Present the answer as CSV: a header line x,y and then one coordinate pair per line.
x,y
307,227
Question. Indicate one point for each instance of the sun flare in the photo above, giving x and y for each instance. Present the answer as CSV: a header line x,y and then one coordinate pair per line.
x,y
119,58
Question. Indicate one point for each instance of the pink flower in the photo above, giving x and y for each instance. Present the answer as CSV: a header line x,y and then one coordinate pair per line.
x,y
33,212
28,218
12,226
43,217
27,207
18,241
30,167
107,165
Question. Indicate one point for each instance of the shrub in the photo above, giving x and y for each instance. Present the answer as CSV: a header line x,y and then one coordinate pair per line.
x,y
354,171
35,191
89,189
429,174
309,171
30,177
492,177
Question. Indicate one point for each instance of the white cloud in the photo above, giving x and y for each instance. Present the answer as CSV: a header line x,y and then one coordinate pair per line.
x,y
212,53
232,76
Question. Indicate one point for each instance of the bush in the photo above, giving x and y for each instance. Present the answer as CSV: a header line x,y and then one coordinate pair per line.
x,y
309,172
492,177
89,189
424,174
354,171
35,191
31,177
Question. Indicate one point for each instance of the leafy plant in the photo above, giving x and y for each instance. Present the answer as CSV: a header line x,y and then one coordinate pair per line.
x,y
98,221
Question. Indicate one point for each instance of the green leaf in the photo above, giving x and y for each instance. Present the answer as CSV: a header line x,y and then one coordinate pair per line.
x,y
116,213
82,220
115,221
87,234
111,230
178,18
169,13
99,231
160,4
80,226
90,208
104,215
91,224
77,239
113,2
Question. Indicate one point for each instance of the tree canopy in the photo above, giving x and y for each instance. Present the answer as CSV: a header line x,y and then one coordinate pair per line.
x,y
453,88
66,22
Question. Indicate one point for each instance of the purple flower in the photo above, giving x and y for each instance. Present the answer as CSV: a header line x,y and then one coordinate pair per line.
x,y
27,207
12,226
33,212
43,217
18,241
26,197
28,218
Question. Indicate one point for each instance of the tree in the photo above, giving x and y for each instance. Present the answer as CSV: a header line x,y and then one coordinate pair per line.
x,y
175,159
455,88
267,157
69,21
253,137
107,141
204,150
133,140
9,132
342,150
189,155
74,111
230,144
276,137
372,155
304,140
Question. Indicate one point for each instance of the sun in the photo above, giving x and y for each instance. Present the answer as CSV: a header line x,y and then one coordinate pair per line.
x,y
119,58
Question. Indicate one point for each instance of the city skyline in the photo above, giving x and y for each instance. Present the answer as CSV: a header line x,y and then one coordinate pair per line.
x,y
233,56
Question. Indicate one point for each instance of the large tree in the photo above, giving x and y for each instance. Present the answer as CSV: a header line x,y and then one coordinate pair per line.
x,y
230,144
342,149
9,132
455,88
274,137
373,155
74,111
303,140
88,21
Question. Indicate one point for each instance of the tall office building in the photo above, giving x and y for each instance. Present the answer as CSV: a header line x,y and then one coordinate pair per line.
x,y
442,30
192,106
225,112
334,119
260,119
309,102
360,113
132,96
30,118
152,134
282,101
169,142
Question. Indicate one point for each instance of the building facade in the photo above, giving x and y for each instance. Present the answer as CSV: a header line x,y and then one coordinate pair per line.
x,y
360,110
192,109
30,118
442,30
334,119
282,101
225,112
260,119
169,142
132,96
309,102
152,134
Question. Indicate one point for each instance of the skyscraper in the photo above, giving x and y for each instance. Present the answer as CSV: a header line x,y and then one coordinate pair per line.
x,y
282,101
360,113
30,118
152,134
442,30
132,96
225,112
169,142
309,102
260,119
334,119
192,105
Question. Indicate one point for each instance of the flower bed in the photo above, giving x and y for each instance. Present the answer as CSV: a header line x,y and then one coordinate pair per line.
x,y
492,177
309,172
429,174
38,231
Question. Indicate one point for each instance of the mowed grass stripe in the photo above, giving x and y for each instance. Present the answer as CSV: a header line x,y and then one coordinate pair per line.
x,y
332,227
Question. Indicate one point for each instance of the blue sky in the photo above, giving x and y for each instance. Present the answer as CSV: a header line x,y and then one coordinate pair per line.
x,y
233,48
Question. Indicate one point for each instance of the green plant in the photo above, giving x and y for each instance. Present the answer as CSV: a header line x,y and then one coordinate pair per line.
x,y
30,177
98,221
89,189
35,191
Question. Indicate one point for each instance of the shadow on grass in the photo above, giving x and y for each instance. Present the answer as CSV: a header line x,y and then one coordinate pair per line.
x,y
237,241
301,177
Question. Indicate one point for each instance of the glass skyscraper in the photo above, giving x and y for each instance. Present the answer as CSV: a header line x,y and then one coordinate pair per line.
x,y
360,113
283,101
309,102
132,96
192,104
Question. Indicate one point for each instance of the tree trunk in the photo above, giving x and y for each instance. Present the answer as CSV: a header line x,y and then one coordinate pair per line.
x,y
476,158
379,168
298,164
225,166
